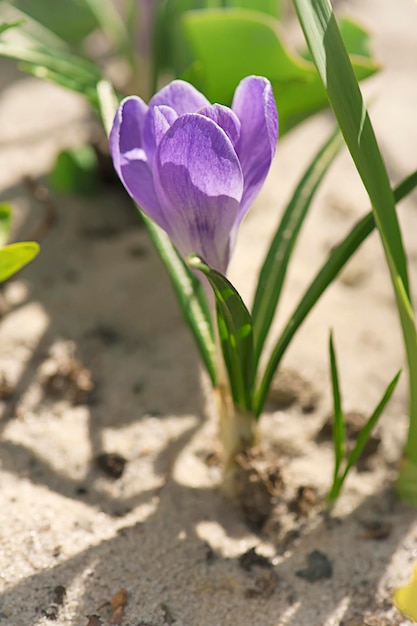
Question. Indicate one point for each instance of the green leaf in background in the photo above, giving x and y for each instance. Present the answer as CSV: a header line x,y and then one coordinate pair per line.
x,y
274,268
172,50
72,21
31,32
270,7
251,42
76,171
235,332
15,256
5,222
7,25
111,23
46,56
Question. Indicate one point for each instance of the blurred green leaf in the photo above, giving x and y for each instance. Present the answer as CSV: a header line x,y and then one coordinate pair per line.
x,y
270,7
46,56
73,20
15,256
30,33
7,25
5,222
111,22
59,67
250,42
235,331
76,171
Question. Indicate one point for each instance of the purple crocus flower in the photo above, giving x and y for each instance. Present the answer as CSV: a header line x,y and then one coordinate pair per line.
x,y
194,167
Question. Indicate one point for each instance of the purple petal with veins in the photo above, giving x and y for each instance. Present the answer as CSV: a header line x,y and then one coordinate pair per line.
x,y
225,118
254,104
180,96
199,184
157,122
195,168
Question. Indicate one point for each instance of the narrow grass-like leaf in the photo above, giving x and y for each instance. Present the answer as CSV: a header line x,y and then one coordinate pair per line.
x,y
339,427
331,59
72,23
55,60
235,331
361,441
337,259
110,21
51,62
274,268
8,25
107,103
14,256
369,426
31,31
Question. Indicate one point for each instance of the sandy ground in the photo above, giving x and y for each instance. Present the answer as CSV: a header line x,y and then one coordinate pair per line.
x,y
96,310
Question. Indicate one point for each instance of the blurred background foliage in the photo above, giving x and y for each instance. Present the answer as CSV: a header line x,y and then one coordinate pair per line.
x,y
140,44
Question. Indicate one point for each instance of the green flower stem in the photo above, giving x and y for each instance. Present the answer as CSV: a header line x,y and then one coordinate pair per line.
x,y
237,427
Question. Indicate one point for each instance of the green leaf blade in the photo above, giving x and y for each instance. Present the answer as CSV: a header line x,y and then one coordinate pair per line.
x,y
337,259
236,333
14,256
325,43
339,427
335,69
274,268
370,425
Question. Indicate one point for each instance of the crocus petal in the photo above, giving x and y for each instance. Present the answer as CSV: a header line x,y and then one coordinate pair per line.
x,y
254,104
180,96
157,122
130,116
225,118
199,183
130,160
